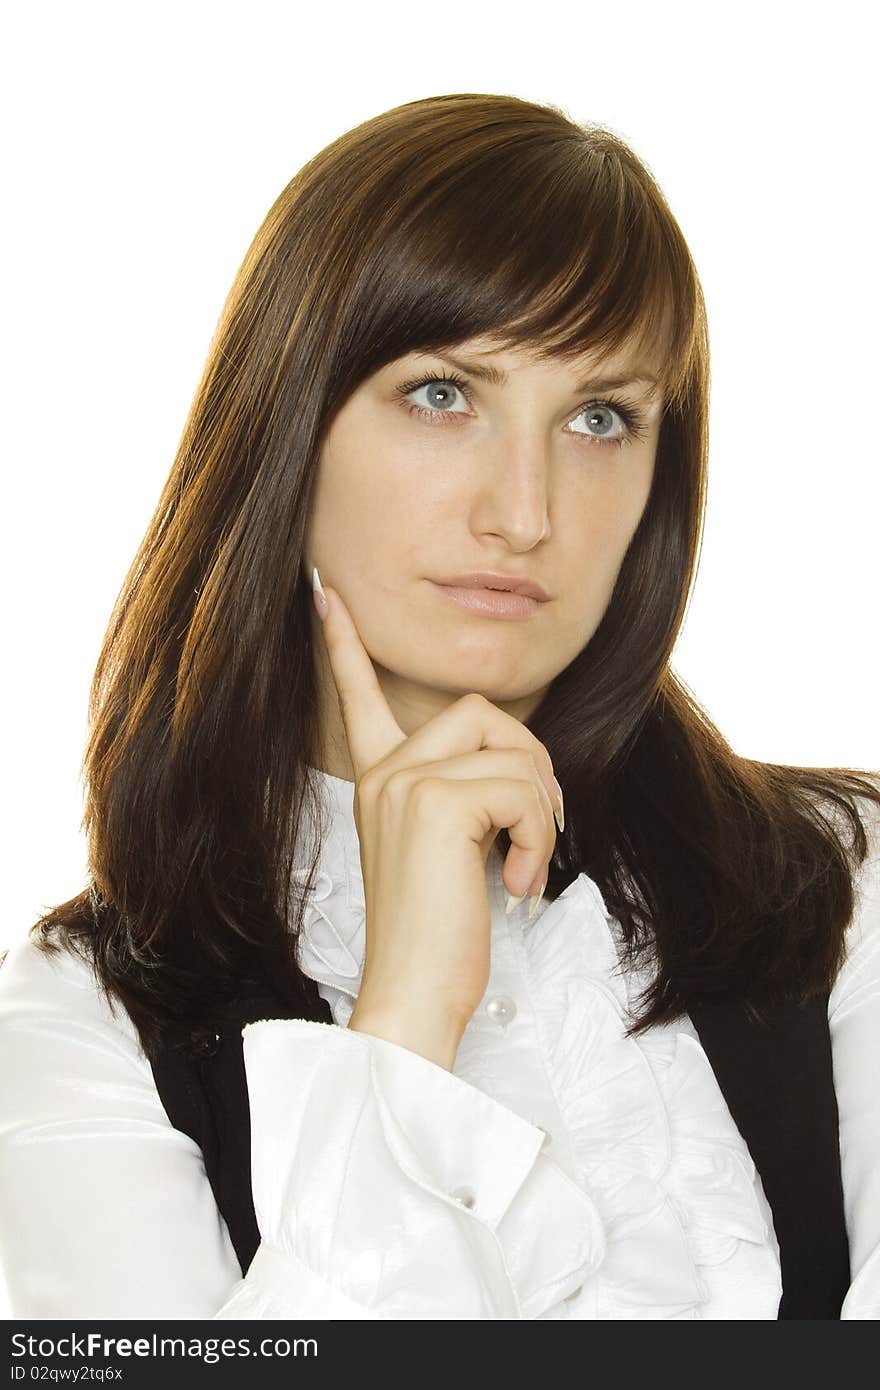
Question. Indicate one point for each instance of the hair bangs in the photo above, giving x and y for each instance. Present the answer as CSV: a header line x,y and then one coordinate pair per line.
x,y
554,246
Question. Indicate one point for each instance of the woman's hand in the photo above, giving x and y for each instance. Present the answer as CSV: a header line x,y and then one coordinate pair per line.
x,y
428,808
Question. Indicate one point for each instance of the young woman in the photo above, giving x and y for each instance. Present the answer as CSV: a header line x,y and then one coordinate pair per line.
x,y
440,958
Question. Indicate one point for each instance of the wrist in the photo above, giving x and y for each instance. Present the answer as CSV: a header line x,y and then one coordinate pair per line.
x,y
435,1037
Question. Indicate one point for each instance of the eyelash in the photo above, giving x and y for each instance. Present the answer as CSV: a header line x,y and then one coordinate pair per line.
x,y
634,421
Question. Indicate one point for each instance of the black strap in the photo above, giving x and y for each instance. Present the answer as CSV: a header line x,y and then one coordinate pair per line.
x,y
201,1080
779,1086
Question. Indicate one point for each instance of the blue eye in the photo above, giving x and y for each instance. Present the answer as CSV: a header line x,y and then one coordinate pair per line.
x,y
634,423
441,397
595,414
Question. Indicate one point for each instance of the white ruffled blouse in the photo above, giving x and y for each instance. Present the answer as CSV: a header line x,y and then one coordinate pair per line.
x,y
561,1170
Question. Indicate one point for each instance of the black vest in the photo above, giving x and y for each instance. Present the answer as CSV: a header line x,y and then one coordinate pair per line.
x,y
777,1083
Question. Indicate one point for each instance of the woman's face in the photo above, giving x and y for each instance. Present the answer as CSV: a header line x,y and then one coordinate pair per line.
x,y
536,475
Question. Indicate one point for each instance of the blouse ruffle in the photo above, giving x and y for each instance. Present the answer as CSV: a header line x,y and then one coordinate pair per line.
x,y
651,1133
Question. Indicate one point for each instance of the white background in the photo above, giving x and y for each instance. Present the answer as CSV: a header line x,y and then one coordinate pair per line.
x,y
143,146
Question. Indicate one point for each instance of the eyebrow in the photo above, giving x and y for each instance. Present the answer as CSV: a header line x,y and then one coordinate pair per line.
x,y
496,377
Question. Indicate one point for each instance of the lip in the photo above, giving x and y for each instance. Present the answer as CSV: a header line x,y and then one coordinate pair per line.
x,y
490,603
486,580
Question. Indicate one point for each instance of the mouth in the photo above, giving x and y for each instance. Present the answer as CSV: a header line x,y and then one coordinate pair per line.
x,y
498,583
489,602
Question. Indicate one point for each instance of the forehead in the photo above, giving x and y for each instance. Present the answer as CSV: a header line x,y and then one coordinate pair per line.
x,y
634,354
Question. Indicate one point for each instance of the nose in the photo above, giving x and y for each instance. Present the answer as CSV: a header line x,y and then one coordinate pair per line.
x,y
512,500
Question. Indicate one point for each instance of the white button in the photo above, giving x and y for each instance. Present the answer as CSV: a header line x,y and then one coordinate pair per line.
x,y
465,1197
501,1009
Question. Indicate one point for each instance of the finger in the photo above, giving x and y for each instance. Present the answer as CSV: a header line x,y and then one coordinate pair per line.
x,y
370,727
518,763
513,804
470,724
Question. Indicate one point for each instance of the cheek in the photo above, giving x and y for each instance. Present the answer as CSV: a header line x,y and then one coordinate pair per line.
x,y
365,505
600,524
617,495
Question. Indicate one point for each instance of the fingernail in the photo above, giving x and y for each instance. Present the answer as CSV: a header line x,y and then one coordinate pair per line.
x,y
512,902
535,899
560,814
320,596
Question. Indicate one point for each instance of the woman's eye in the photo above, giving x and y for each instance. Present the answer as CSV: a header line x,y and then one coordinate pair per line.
x,y
600,423
439,394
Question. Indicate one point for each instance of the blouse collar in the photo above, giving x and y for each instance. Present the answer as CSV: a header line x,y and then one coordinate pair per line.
x,y
333,938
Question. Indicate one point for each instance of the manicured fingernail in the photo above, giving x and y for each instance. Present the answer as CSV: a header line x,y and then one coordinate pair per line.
x,y
320,596
560,814
535,899
512,902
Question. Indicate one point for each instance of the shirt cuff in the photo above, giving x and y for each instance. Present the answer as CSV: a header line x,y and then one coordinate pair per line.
x,y
386,1175
447,1136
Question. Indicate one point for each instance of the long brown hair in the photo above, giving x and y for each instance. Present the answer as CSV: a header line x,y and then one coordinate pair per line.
x,y
439,220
